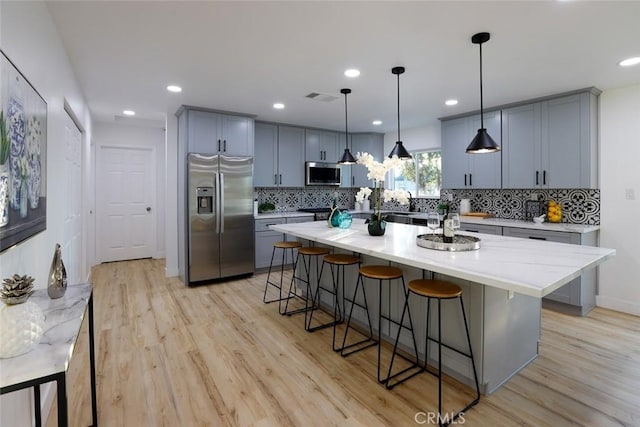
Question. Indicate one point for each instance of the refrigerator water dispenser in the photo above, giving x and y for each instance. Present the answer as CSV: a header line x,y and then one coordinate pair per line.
x,y
205,200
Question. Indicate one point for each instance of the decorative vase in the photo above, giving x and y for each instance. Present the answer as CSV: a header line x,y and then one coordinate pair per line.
x,y
22,328
4,194
344,219
377,228
23,198
57,285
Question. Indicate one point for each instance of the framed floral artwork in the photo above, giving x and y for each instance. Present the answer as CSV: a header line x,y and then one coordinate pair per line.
x,y
23,155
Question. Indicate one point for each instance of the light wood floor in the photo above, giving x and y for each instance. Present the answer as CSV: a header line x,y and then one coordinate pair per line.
x,y
216,356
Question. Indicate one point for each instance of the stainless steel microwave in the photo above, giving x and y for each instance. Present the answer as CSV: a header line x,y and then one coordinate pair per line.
x,y
318,173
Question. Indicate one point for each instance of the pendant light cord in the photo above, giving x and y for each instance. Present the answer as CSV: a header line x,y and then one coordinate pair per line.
x,y
481,97
398,107
346,124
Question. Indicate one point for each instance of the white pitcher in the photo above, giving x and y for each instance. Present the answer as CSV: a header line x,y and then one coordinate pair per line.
x,y
465,206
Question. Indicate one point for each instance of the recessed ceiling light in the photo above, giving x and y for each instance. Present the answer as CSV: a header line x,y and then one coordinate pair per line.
x,y
278,106
629,61
129,113
377,122
174,88
451,102
352,72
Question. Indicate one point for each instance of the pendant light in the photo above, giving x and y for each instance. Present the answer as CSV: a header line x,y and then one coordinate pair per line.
x,y
347,157
398,149
482,143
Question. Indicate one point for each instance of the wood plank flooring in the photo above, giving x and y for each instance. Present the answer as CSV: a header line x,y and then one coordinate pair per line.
x,y
216,356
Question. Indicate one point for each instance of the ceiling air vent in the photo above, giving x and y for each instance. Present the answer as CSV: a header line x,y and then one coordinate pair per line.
x,y
321,97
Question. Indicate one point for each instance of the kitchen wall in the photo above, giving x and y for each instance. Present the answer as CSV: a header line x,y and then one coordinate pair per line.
x,y
131,135
619,153
29,38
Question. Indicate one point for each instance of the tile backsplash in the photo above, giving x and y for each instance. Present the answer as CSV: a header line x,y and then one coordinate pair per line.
x,y
579,206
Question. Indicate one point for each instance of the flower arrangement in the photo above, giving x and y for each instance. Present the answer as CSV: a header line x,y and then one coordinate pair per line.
x,y
377,172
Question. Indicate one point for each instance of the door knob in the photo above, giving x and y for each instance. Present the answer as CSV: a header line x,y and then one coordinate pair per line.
x,y
148,209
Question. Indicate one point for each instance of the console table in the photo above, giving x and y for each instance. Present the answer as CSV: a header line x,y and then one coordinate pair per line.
x,y
49,360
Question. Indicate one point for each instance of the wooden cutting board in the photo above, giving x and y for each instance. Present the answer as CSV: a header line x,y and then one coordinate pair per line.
x,y
478,214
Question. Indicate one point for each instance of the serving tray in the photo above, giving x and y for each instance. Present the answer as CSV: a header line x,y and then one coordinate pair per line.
x,y
461,242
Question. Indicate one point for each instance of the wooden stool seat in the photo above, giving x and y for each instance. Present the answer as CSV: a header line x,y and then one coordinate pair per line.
x,y
313,250
341,259
287,245
381,272
435,288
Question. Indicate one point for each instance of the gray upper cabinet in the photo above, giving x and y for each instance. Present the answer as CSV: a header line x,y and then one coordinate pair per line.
x,y
462,170
321,146
372,143
290,156
280,150
265,169
551,144
214,133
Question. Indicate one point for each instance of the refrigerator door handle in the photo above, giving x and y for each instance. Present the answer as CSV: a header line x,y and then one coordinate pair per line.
x,y
217,209
221,208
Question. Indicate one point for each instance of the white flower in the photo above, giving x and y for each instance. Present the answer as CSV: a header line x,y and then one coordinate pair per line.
x,y
400,195
363,194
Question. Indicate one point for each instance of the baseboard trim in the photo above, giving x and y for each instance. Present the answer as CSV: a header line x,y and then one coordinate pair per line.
x,y
171,272
618,304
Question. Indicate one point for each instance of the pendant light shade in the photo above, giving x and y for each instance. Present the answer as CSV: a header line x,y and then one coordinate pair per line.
x,y
347,157
482,143
398,149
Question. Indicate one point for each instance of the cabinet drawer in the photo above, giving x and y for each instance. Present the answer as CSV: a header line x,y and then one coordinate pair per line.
x,y
263,224
478,228
552,236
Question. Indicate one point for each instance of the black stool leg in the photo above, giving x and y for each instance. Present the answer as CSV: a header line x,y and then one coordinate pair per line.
x,y
370,339
439,362
269,282
293,288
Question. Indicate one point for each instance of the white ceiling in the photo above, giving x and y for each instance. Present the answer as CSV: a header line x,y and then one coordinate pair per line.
x,y
244,56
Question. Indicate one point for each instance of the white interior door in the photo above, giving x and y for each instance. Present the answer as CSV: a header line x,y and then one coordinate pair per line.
x,y
72,244
125,201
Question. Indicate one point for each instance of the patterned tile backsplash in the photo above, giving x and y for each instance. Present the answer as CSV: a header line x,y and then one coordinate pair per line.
x,y
579,206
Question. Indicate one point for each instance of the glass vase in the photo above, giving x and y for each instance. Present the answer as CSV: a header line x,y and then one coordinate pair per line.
x,y
377,227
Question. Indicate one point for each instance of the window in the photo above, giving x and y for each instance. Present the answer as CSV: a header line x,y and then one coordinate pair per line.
x,y
426,181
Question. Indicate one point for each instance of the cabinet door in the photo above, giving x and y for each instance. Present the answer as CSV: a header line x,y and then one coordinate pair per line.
x,y
485,169
329,144
237,136
369,143
264,248
565,142
204,131
521,147
321,146
455,166
266,152
481,228
291,156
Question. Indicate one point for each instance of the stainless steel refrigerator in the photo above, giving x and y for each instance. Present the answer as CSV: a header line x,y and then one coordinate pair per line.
x,y
220,215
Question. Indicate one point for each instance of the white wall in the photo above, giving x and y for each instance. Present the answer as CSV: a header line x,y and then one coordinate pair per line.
x,y
422,138
29,38
619,283
124,135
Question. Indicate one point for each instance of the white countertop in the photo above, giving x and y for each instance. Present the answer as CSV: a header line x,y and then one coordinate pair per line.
x,y
546,226
529,267
63,317
272,215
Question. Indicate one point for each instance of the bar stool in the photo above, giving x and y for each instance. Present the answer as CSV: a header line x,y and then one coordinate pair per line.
x,y
380,273
283,246
441,290
337,263
308,254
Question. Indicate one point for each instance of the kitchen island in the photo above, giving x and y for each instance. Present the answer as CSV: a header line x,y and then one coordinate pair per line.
x,y
503,283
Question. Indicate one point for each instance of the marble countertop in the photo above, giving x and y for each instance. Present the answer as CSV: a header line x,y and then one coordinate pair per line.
x,y
530,267
63,318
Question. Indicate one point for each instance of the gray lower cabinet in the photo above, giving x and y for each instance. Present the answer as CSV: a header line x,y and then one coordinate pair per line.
x,y
481,228
265,238
579,295
462,170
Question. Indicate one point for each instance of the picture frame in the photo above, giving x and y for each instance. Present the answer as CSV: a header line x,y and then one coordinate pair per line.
x,y
23,157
